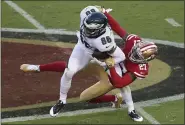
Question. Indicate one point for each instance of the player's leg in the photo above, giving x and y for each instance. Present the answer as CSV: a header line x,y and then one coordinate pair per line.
x,y
58,66
126,93
116,100
104,98
78,60
95,93
99,88
95,90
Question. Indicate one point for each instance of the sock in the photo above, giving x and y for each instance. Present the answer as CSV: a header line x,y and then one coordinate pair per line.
x,y
127,96
58,66
104,98
63,97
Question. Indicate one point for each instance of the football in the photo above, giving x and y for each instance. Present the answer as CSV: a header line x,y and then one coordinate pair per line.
x,y
100,55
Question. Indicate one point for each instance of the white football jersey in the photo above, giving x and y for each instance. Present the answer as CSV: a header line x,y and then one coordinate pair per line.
x,y
103,43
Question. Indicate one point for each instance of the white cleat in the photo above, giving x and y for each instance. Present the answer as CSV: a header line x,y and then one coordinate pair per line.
x,y
29,68
51,112
117,104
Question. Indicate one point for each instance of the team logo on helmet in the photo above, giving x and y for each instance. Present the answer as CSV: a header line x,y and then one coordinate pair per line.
x,y
143,51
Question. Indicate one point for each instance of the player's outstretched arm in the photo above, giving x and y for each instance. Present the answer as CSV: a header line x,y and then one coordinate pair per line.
x,y
116,27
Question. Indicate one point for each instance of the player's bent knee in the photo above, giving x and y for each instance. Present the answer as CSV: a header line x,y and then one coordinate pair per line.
x,y
95,90
83,98
70,72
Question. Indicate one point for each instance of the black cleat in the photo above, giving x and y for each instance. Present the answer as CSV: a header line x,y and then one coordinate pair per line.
x,y
135,116
56,108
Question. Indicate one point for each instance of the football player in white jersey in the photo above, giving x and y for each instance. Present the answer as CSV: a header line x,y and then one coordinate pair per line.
x,y
94,34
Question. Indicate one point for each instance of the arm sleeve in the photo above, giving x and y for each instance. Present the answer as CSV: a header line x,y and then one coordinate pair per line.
x,y
120,82
115,26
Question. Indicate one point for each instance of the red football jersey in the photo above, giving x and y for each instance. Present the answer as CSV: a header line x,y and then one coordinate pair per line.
x,y
140,70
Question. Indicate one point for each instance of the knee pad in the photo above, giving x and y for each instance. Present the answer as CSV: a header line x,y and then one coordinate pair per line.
x,y
69,72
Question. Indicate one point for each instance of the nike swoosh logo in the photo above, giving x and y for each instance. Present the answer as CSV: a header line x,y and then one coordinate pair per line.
x,y
107,46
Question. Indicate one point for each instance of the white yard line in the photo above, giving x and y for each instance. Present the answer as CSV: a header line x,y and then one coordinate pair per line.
x,y
160,100
71,113
173,22
54,29
87,111
147,116
46,31
65,32
25,14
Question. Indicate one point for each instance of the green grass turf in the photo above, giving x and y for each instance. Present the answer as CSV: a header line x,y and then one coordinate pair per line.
x,y
165,113
111,117
168,113
145,18
12,19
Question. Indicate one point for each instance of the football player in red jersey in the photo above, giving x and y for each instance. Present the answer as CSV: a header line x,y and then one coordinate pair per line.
x,y
137,52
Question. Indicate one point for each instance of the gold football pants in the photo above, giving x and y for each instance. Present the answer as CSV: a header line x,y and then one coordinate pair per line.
x,y
100,88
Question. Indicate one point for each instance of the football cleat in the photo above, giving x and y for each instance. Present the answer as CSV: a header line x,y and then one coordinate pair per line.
x,y
29,68
134,116
117,104
54,111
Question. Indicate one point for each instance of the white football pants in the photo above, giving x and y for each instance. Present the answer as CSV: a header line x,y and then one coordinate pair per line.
x,y
78,60
127,97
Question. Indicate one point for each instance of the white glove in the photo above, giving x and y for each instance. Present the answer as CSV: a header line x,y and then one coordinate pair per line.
x,y
94,60
108,10
102,9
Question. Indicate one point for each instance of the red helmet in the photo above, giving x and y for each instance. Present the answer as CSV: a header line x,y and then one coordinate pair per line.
x,y
143,51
